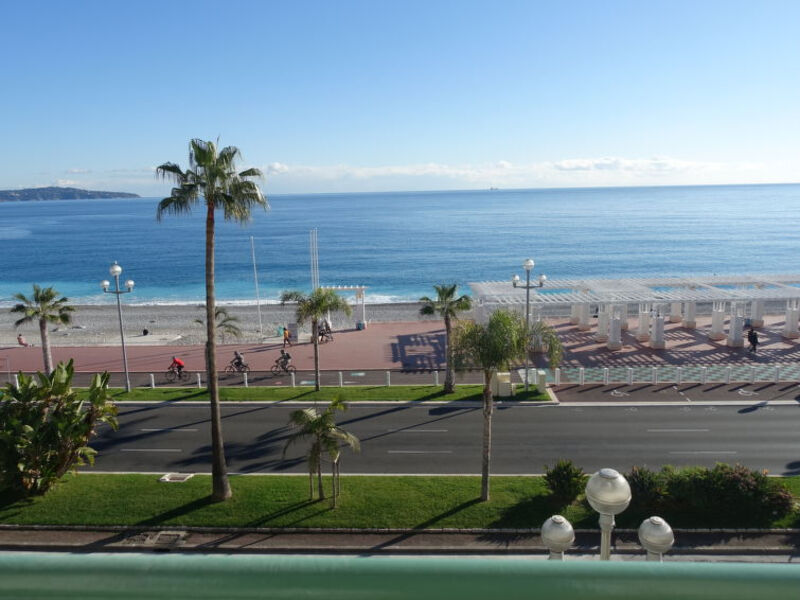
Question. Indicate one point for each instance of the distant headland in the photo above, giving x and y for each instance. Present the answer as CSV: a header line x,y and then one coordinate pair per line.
x,y
58,193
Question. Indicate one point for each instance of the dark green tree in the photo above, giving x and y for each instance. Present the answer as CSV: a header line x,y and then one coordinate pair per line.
x,y
447,306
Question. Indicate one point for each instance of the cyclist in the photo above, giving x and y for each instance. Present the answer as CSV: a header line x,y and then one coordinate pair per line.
x,y
238,359
284,359
178,365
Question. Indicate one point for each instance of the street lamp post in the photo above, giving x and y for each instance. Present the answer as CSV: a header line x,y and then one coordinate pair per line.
x,y
116,271
528,266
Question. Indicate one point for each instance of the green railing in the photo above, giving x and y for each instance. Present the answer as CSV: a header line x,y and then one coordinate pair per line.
x,y
198,577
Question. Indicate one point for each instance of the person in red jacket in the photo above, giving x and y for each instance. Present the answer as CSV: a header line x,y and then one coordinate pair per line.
x,y
177,364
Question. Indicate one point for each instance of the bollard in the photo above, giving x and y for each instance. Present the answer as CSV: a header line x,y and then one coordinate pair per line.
x,y
777,374
703,375
16,380
152,381
388,379
728,375
199,381
655,375
436,378
630,375
341,380
581,376
605,375
752,374
294,381
679,375
557,376
244,378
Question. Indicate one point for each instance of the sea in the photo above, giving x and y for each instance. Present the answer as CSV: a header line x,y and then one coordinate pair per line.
x,y
400,244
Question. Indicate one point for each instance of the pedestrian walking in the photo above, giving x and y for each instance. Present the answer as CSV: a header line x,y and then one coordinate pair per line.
x,y
752,337
287,337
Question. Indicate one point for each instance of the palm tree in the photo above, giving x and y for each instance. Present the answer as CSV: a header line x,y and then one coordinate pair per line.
x,y
315,306
446,306
326,438
45,307
227,324
212,178
491,347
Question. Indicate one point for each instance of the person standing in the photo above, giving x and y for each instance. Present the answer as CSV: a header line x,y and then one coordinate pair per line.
x,y
287,337
752,337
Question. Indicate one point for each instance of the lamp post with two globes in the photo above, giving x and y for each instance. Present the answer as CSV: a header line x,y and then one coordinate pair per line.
x,y
115,272
528,266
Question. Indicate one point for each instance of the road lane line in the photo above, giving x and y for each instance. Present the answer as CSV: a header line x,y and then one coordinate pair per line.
x,y
418,430
150,450
677,430
169,429
705,452
419,452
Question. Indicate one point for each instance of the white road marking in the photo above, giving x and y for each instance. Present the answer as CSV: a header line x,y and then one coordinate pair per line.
x,y
705,452
419,452
150,450
677,430
169,429
418,430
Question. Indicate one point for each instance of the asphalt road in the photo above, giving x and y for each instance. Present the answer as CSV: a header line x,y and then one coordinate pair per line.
x,y
446,439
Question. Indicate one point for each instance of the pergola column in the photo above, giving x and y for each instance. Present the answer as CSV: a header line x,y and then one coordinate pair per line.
x,y
615,327
757,313
717,321
583,318
643,330
601,335
735,325
792,313
623,315
657,333
575,314
675,312
689,315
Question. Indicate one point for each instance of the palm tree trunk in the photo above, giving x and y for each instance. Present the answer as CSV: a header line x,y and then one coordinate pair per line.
x,y
488,405
310,482
319,480
333,482
449,378
315,339
221,487
48,358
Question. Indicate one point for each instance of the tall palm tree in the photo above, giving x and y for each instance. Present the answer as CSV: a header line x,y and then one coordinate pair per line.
x,y
45,307
326,438
212,178
314,307
227,324
446,306
491,347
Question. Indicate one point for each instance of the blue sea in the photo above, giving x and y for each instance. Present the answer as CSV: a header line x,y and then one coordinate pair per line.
x,y
400,244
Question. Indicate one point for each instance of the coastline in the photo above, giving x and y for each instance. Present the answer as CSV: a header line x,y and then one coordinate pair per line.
x,y
98,325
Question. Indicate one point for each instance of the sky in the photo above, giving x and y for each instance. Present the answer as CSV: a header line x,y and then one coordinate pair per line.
x,y
351,96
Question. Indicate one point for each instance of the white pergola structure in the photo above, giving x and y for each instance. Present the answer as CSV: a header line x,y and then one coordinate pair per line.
x,y
361,293
674,298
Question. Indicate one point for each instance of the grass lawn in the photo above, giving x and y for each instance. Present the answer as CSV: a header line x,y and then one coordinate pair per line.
x,y
405,393
281,501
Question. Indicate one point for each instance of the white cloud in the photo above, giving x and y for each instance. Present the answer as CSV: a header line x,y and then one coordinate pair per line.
x,y
66,183
276,168
78,171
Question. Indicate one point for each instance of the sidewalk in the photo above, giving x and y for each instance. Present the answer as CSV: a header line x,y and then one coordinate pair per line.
x,y
768,546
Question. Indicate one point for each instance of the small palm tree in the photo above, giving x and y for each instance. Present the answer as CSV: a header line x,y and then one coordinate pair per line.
x,y
447,306
314,307
212,178
227,324
491,347
326,438
45,307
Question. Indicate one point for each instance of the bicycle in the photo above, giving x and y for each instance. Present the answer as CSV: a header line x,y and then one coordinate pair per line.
x,y
173,374
325,336
282,367
234,367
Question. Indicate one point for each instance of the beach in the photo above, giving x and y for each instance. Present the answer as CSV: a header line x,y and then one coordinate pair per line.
x,y
174,324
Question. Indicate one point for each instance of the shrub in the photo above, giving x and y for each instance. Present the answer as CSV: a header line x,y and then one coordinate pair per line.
x,y
565,481
45,428
648,490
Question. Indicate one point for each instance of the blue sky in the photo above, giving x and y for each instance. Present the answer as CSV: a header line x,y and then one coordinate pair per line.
x,y
369,96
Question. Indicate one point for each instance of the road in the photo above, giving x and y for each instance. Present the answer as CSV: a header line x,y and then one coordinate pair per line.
x,y
446,439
